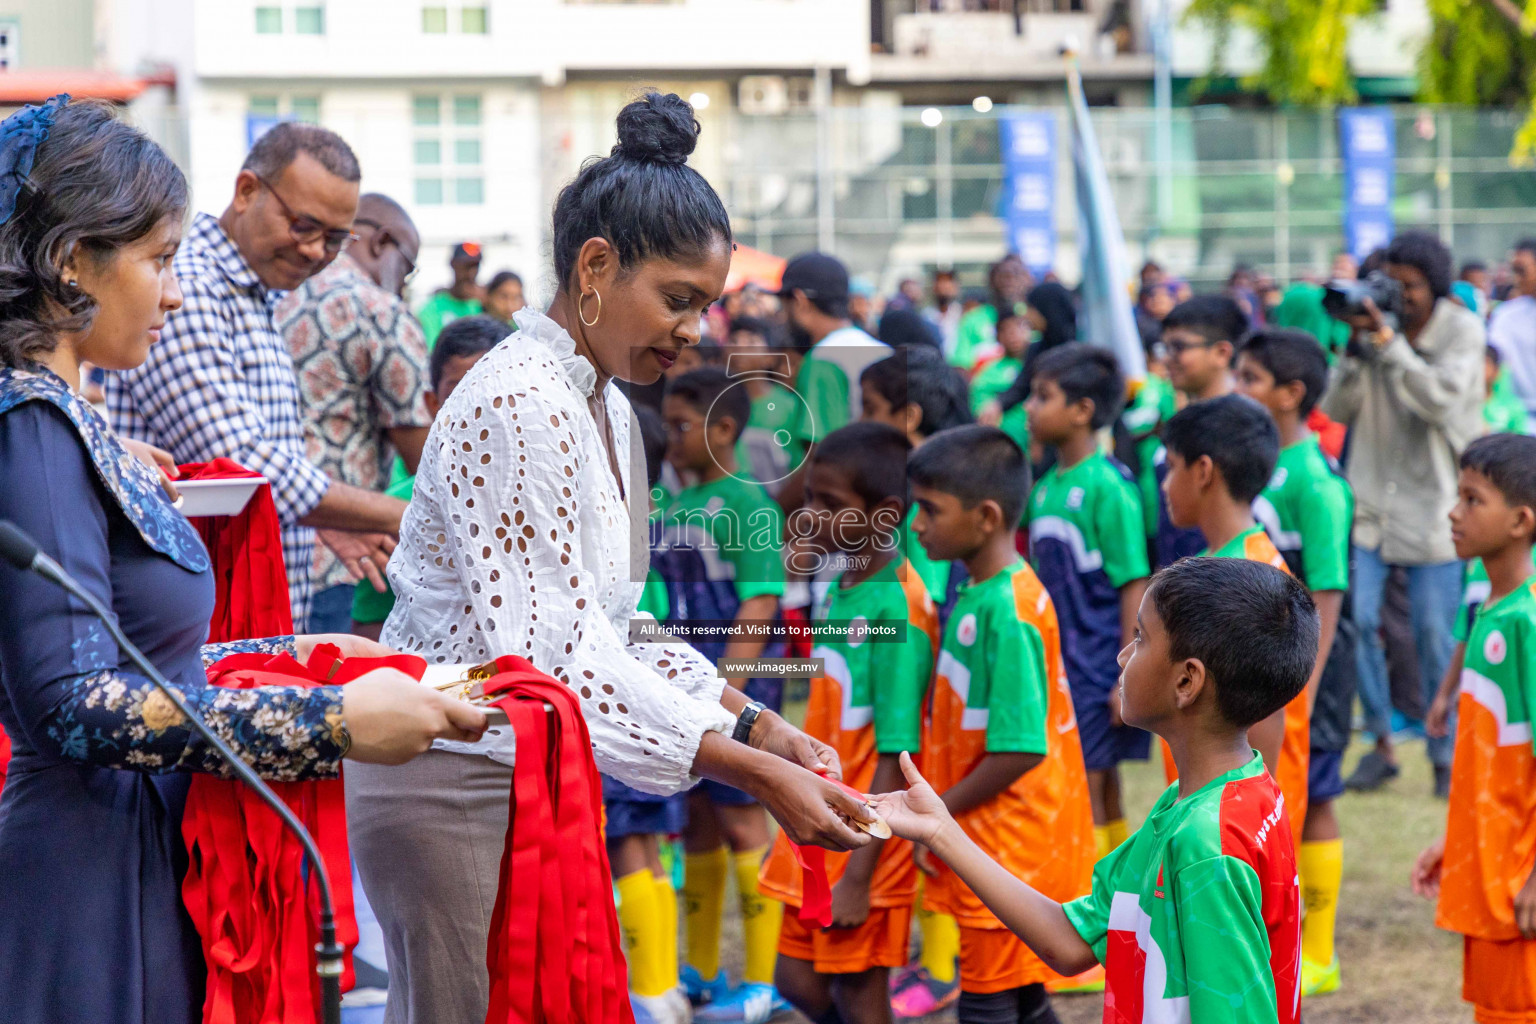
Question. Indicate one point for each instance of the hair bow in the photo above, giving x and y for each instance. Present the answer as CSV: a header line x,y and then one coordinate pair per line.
x,y
20,135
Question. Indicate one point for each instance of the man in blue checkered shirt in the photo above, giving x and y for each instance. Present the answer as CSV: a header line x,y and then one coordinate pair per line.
x,y
221,382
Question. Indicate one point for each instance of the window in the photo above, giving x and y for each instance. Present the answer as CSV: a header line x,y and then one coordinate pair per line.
x,y
305,19
305,108
294,108
9,48
447,150
309,21
467,17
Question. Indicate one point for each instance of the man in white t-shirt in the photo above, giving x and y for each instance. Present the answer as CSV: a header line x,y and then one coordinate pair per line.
x,y
1512,328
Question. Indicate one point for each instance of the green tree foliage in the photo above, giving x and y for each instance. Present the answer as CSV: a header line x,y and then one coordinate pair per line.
x,y
1483,53
1302,43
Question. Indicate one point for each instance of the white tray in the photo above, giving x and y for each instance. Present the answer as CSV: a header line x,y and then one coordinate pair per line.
x,y
216,497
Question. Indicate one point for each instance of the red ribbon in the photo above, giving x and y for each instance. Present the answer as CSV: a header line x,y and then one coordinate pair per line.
x,y
815,890
553,955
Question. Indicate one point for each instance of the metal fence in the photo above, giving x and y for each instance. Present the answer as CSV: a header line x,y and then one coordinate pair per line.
x,y
896,193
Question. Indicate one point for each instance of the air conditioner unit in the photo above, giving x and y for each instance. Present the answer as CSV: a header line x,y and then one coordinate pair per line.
x,y
762,94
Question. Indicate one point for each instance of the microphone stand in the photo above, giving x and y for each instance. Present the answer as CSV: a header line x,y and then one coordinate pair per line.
x,y
21,551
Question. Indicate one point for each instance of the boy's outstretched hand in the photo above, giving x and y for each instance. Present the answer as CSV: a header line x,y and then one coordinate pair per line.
x,y
916,813
1425,877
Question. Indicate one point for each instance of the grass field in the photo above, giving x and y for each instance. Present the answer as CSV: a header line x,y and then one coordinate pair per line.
x,y
1397,966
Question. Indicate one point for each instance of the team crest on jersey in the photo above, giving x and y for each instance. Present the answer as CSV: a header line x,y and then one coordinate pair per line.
x,y
858,631
966,631
1495,648
1075,499
1278,480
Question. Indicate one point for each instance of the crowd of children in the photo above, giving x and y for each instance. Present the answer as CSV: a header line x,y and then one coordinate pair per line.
x,y
1113,561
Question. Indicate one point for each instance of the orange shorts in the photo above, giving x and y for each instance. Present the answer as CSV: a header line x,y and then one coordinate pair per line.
x,y
881,941
1499,980
996,960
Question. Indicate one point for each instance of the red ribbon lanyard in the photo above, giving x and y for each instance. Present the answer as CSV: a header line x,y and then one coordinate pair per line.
x,y
553,955
815,890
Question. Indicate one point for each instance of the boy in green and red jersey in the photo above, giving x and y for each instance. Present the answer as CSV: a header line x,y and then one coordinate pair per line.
x,y
1002,742
1308,510
868,707
1221,453
1483,870
1197,917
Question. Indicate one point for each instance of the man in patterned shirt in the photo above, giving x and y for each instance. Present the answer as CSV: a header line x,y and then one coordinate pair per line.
x,y
220,382
362,368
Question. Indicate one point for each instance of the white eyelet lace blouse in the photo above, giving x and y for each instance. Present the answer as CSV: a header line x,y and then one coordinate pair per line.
x,y
518,542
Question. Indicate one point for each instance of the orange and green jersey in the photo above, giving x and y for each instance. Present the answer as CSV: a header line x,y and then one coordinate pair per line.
x,y
1296,746
1490,836
869,702
1474,591
1197,917
1000,687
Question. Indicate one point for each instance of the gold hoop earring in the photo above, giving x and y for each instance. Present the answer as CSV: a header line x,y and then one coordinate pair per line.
x,y
582,315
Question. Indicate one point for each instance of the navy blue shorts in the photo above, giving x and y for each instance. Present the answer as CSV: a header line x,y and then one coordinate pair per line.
x,y
1325,777
1105,745
770,693
633,813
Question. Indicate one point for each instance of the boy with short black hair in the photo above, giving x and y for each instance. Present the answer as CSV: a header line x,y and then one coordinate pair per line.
x,y
916,391
1221,454
1002,743
1199,342
1308,511
722,560
1483,870
1086,543
869,708
1196,917
994,376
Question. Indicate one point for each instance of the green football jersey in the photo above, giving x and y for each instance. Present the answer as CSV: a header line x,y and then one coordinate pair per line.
x,y
990,381
1503,410
1153,406
828,382
1474,591
880,683
768,447
1197,917
744,546
1308,510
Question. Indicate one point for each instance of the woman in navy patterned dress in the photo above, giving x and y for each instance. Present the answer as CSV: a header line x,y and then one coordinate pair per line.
x,y
92,927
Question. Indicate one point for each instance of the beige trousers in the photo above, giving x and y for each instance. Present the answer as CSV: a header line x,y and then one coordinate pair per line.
x,y
427,839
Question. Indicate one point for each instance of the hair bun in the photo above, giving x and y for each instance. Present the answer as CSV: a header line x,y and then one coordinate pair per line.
x,y
657,128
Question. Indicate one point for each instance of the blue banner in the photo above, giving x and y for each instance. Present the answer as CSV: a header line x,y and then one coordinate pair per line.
x,y
1029,175
1368,142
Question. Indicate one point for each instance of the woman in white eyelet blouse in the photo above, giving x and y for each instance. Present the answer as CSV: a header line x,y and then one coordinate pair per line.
x,y
524,537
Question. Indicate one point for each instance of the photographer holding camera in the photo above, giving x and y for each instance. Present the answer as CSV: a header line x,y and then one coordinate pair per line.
x,y
1409,387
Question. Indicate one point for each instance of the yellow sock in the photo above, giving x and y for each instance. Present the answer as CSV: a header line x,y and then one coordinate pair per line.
x,y
666,910
1118,831
1322,872
641,924
703,907
1101,844
941,943
760,918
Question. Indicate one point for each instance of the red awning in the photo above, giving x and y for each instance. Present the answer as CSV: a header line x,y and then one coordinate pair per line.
x,y
35,86
753,266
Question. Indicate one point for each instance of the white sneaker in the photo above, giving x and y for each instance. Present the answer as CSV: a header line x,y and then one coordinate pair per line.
x,y
667,1008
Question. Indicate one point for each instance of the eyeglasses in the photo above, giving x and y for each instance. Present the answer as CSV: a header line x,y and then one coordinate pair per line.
x,y
305,229
410,264
1178,348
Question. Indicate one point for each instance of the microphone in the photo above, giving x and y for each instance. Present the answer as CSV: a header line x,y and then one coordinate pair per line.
x,y
21,551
